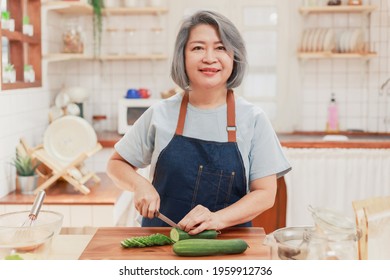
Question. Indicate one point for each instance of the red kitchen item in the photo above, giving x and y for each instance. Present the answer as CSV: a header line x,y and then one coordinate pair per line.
x,y
144,93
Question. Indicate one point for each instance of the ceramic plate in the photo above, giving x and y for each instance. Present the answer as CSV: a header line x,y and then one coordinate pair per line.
x,y
320,42
303,40
356,41
67,137
316,36
310,40
329,41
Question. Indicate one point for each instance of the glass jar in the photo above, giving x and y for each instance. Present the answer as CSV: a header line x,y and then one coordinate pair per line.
x,y
331,246
157,40
73,39
131,40
113,43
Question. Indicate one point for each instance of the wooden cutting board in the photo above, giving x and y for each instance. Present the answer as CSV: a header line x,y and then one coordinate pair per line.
x,y
105,244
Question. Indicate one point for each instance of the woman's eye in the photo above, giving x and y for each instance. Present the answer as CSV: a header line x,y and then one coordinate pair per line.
x,y
221,48
197,48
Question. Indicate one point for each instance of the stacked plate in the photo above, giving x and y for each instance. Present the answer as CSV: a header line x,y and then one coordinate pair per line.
x,y
350,41
318,40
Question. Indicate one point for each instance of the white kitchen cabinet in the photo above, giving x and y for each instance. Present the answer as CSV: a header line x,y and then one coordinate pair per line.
x,y
333,178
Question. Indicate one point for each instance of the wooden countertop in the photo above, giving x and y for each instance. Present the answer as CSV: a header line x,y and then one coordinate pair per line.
x,y
356,140
105,244
61,192
300,139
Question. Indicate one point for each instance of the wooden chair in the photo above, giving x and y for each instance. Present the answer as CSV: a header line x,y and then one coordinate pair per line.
x,y
74,172
373,221
275,217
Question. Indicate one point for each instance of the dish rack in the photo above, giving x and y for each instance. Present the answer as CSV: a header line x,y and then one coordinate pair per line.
x,y
74,172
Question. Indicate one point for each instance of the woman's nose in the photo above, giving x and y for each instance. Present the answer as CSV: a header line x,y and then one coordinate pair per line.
x,y
209,56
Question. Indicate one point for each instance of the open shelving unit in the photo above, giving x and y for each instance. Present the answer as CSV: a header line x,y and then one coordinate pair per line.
x,y
82,8
362,9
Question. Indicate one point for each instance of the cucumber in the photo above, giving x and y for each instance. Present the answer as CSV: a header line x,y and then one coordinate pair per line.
x,y
156,239
209,247
178,234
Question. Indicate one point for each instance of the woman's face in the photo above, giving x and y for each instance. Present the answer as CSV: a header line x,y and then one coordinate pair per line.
x,y
208,64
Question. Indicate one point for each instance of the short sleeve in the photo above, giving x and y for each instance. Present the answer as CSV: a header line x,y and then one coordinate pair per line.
x,y
137,145
266,155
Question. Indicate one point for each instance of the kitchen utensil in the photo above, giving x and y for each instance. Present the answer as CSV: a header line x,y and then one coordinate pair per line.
x,y
77,94
36,207
68,137
72,109
62,99
167,220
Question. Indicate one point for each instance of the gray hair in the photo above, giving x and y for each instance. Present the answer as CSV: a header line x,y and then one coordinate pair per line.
x,y
230,37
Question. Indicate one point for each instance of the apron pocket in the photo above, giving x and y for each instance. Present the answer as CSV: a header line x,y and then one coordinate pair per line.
x,y
213,188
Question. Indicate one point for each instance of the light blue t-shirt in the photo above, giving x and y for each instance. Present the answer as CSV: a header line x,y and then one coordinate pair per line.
x,y
257,141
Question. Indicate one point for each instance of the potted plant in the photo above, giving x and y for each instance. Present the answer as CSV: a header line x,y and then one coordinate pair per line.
x,y
26,173
9,74
97,6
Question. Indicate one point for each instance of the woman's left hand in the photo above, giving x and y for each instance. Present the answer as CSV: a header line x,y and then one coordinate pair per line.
x,y
199,219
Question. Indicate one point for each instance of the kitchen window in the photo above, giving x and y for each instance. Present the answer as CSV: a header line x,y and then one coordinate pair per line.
x,y
21,63
262,25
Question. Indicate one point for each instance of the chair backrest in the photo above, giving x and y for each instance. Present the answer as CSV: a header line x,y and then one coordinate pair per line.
x,y
373,220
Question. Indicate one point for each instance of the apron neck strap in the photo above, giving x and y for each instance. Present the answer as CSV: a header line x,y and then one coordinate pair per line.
x,y
231,115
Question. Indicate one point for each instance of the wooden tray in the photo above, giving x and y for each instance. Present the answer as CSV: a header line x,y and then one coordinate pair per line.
x,y
105,244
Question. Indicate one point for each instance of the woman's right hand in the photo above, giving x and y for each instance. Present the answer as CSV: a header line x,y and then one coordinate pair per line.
x,y
146,200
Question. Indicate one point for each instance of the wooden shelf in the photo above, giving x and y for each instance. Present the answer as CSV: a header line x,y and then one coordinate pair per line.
x,y
135,11
20,85
20,37
365,9
69,7
320,55
69,56
77,8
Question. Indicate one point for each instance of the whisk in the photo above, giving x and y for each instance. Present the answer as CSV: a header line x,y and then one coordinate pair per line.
x,y
35,209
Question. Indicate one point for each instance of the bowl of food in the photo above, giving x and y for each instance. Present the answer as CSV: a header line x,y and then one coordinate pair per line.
x,y
25,243
50,221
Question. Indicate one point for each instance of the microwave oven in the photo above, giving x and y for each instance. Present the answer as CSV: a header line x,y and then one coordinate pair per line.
x,y
130,109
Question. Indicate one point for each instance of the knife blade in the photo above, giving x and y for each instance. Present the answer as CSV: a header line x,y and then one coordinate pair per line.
x,y
165,219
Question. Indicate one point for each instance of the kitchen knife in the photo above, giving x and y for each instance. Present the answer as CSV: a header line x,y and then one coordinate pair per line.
x,y
167,220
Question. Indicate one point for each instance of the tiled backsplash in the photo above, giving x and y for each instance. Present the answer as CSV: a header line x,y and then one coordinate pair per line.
x,y
355,82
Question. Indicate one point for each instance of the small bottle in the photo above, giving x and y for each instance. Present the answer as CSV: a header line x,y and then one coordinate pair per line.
x,y
333,116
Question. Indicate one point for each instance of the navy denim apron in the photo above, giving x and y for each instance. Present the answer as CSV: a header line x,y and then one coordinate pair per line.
x,y
192,171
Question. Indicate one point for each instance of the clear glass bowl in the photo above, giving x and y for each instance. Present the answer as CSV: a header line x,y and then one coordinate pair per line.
x,y
25,243
289,243
47,221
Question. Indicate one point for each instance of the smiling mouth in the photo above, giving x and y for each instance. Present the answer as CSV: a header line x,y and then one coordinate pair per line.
x,y
209,70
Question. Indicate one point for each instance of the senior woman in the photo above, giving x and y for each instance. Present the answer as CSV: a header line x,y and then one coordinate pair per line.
x,y
214,157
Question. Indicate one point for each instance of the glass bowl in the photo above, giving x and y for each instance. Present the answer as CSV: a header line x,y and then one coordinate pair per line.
x,y
289,243
25,243
47,221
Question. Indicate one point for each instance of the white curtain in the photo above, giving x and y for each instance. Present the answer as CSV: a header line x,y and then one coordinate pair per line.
x,y
333,178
